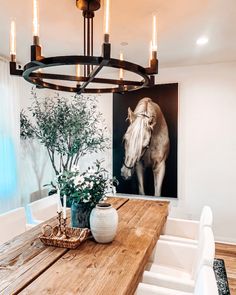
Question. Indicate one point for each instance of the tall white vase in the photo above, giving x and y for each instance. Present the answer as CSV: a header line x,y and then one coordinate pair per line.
x,y
104,223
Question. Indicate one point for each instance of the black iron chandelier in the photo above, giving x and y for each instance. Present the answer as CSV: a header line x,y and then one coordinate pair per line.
x,y
92,65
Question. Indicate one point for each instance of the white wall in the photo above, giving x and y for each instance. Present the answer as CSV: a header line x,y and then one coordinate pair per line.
x,y
207,143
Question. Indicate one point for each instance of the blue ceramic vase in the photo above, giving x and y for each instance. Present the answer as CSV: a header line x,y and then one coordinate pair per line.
x,y
80,213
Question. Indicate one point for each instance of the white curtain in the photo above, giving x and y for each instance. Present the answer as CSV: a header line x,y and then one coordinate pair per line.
x,y
10,91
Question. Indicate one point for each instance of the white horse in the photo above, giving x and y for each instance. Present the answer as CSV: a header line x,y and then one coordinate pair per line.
x,y
146,144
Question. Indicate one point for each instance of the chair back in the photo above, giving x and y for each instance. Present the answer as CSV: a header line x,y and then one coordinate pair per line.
x,y
205,252
206,218
43,209
37,195
206,282
12,223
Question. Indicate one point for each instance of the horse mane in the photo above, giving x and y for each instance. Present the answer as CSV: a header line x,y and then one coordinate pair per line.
x,y
136,130
136,134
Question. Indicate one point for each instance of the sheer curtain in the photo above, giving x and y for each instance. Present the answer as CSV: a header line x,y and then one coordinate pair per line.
x,y
10,91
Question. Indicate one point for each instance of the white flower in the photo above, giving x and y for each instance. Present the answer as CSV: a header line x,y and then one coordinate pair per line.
x,y
91,185
78,180
89,197
85,201
88,184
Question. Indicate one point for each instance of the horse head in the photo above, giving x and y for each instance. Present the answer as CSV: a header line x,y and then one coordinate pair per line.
x,y
136,139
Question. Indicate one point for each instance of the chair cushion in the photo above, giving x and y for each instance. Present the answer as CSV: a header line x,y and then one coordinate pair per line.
x,y
171,272
12,223
178,239
146,289
43,209
166,277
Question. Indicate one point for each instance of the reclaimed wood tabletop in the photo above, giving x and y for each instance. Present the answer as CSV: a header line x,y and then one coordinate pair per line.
x,y
29,267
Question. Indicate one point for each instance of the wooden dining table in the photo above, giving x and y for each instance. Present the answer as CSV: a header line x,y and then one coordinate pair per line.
x,y
29,267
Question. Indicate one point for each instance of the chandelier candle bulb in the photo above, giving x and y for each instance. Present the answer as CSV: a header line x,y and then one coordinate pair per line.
x,y
59,207
35,22
121,70
154,33
106,20
150,53
77,70
13,41
64,207
78,73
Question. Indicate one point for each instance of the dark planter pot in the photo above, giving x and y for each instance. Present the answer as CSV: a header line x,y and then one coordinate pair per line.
x,y
80,214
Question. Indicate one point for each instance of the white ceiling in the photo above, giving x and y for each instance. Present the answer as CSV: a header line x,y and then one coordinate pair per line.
x,y
180,23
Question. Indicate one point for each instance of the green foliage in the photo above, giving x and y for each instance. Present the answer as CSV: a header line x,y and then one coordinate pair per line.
x,y
68,128
26,129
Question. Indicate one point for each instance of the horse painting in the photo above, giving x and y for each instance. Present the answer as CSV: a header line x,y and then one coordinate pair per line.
x,y
146,144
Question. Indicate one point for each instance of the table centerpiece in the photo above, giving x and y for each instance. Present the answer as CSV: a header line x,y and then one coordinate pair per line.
x,y
85,190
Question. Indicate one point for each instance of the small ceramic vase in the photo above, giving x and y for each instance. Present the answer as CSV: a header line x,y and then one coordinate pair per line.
x,y
80,214
104,223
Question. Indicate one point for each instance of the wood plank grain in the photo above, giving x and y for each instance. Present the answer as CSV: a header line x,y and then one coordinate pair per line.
x,y
117,202
226,249
114,268
24,258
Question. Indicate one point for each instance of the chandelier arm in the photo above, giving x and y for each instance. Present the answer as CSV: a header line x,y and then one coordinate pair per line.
x,y
123,86
57,61
92,75
13,70
153,68
42,84
121,64
35,51
84,79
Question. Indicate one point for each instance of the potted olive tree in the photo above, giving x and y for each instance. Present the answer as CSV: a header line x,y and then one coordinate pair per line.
x,y
69,128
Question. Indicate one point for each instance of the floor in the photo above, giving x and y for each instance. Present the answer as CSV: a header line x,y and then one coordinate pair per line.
x,y
228,253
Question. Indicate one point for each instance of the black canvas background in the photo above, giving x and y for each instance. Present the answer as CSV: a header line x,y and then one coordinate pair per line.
x,y
166,96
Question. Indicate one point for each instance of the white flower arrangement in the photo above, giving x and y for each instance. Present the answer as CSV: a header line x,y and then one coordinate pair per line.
x,y
88,187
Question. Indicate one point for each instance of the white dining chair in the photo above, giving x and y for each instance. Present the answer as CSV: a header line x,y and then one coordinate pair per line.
x,y
13,223
205,285
39,194
186,231
176,265
43,209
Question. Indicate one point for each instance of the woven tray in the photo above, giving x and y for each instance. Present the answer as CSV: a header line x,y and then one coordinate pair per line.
x,y
75,236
